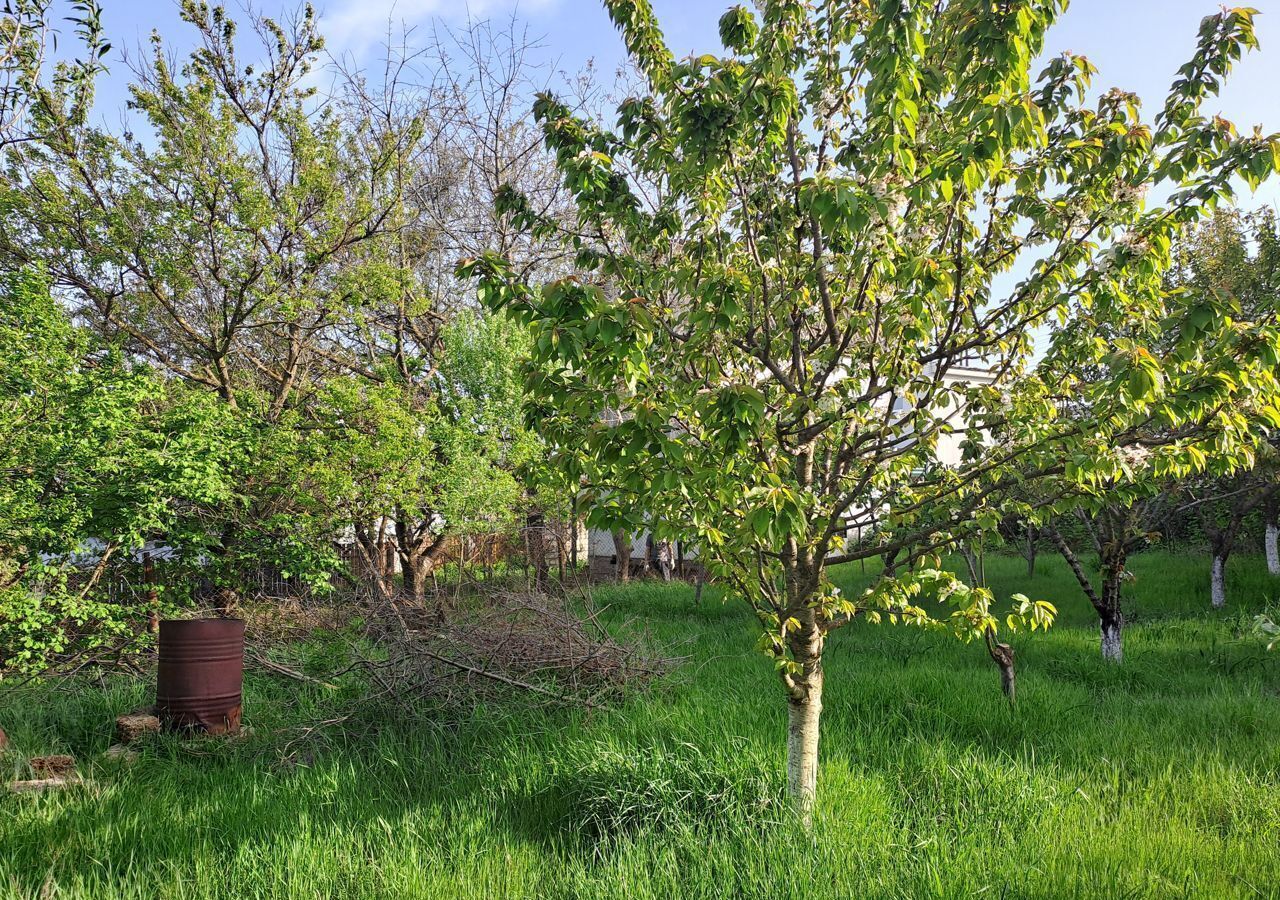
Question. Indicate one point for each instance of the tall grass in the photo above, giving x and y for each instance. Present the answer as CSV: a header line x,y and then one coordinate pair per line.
x,y
1160,778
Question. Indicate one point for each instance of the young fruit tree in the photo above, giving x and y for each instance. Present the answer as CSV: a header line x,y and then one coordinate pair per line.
x,y
1225,267
1224,504
812,270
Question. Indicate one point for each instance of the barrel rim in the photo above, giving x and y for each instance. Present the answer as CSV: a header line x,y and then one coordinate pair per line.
x,y
202,621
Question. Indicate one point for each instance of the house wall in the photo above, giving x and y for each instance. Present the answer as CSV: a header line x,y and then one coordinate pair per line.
x,y
601,562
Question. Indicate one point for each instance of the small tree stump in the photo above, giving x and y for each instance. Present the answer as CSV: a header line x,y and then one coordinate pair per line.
x,y
57,766
4,741
132,727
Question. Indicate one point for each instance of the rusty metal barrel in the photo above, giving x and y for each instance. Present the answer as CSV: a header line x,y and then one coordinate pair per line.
x,y
200,675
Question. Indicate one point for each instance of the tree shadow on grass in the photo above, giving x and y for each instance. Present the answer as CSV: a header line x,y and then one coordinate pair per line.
x,y
599,792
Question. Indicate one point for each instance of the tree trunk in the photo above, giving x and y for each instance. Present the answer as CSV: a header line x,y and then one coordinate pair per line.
x,y
561,553
666,560
1222,540
413,583
416,546
376,560
417,566
573,536
386,556
1110,615
407,551
804,686
1002,655
1106,604
1030,552
153,594
537,544
890,565
1272,541
803,716
573,546
1009,677
1218,581
1112,642
622,551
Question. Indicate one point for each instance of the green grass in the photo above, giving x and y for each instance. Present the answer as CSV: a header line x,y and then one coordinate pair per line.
x,y
1157,779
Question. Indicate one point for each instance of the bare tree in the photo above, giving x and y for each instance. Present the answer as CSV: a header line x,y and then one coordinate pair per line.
x,y
465,93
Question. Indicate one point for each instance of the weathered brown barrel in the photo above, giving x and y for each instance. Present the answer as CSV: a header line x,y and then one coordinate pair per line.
x,y
200,674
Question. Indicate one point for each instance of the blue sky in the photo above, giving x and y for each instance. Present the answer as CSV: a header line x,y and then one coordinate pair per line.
x,y
1137,44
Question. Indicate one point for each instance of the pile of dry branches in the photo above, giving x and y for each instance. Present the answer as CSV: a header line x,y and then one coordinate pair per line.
x,y
547,646
490,644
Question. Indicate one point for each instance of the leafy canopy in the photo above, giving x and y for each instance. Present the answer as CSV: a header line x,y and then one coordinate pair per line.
x,y
95,448
813,269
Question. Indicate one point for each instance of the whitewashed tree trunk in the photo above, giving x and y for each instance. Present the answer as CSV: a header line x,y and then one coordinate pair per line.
x,y
804,682
1110,614
1112,642
1218,582
802,748
1273,548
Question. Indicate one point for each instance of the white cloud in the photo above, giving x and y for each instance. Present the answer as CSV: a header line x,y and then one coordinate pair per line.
x,y
357,26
